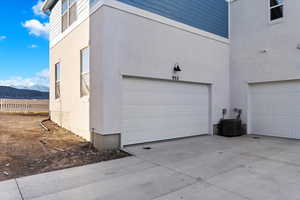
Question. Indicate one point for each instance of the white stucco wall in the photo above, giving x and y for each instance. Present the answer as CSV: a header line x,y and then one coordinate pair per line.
x,y
70,111
127,44
251,34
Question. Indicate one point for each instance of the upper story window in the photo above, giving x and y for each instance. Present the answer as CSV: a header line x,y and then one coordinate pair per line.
x,y
57,80
276,9
69,13
84,72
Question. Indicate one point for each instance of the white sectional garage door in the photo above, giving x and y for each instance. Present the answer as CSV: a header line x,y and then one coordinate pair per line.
x,y
156,110
275,109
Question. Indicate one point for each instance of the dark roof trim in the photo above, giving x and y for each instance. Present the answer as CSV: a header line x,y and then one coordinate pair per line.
x,y
48,5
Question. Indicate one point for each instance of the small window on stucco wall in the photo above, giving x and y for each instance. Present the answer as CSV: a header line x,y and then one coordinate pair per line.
x,y
276,9
57,80
84,72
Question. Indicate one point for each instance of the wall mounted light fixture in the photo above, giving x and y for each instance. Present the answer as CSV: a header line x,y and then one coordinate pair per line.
x,y
177,68
264,51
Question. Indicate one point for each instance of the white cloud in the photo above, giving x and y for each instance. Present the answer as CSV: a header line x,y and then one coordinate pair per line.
x,y
35,27
37,9
44,74
33,46
2,37
40,81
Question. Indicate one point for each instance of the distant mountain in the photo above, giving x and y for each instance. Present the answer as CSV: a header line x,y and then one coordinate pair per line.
x,y
13,93
41,88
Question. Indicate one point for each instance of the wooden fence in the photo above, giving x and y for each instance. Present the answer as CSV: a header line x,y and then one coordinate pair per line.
x,y
24,105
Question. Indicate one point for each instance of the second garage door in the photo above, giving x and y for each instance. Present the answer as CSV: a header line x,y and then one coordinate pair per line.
x,y
275,109
156,110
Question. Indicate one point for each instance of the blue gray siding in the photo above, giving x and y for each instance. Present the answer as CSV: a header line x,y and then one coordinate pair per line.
x,y
208,15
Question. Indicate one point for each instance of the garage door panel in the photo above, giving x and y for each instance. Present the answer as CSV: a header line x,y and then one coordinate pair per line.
x,y
182,121
158,110
165,125
163,111
275,109
146,98
151,134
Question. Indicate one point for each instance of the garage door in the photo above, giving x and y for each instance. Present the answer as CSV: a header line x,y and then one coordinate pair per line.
x,y
275,109
157,110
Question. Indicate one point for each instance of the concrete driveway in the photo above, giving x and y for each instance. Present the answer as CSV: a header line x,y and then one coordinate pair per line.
x,y
208,168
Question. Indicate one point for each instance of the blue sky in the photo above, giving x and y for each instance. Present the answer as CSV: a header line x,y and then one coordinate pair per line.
x,y
23,44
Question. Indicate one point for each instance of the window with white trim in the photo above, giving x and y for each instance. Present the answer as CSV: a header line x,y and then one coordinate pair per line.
x,y
57,80
84,72
276,9
69,13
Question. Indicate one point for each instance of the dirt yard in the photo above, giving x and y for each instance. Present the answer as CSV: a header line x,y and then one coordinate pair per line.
x,y
27,149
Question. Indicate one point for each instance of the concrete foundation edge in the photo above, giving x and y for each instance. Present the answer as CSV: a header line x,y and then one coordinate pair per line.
x,y
106,142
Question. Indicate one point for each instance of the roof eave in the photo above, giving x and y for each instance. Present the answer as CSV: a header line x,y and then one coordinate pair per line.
x,y
48,5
